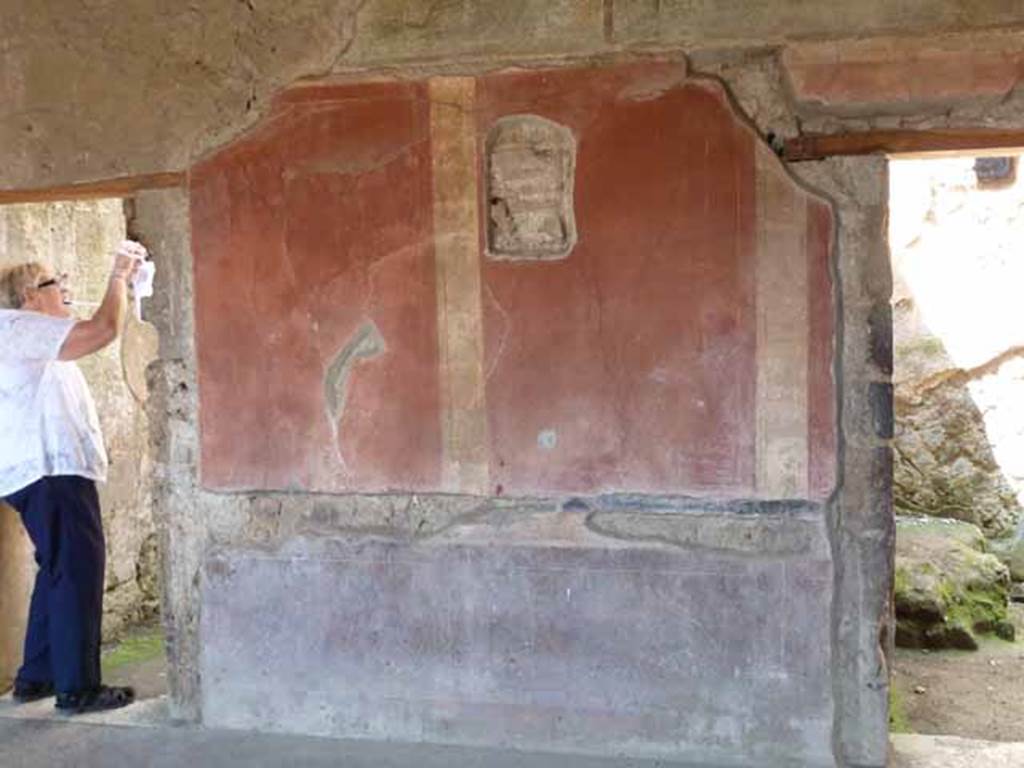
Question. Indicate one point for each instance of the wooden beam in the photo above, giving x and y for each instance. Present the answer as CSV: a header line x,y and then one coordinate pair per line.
x,y
124,186
814,146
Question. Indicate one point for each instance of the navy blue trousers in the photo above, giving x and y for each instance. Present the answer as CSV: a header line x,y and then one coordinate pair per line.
x,y
62,642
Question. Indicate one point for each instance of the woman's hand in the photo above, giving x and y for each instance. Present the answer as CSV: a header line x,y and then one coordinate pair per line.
x,y
127,259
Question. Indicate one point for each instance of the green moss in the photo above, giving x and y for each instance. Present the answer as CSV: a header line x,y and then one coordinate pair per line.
x,y
143,646
899,722
901,581
980,608
947,591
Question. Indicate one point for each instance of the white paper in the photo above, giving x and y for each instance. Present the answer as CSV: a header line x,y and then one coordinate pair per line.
x,y
142,285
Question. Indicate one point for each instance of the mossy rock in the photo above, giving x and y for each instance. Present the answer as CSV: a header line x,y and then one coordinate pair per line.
x,y
948,588
1011,552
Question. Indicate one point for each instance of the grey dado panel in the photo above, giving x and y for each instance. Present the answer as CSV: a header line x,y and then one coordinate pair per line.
x,y
539,634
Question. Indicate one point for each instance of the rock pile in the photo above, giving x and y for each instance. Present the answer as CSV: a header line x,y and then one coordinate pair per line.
x,y
948,588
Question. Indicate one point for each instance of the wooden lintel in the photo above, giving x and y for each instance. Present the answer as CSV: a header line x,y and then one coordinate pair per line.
x,y
904,142
124,186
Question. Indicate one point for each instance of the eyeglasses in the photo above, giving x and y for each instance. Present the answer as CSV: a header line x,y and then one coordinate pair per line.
x,y
60,281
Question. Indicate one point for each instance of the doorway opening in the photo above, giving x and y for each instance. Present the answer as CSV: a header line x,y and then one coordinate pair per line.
x,y
79,238
956,238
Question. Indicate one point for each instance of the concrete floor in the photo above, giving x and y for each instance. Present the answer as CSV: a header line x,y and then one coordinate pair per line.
x,y
32,736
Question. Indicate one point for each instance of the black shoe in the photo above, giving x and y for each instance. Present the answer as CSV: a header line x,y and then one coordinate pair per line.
x,y
95,700
26,692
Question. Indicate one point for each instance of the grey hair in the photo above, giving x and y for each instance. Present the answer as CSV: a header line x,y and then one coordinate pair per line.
x,y
17,281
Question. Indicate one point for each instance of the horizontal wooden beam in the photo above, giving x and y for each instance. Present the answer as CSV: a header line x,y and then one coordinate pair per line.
x,y
814,146
124,186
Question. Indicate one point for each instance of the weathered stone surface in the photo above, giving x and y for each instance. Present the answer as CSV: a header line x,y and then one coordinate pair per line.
x,y
947,587
861,528
397,30
145,86
881,328
105,89
1014,561
1011,551
533,631
755,79
945,465
903,75
761,534
688,22
530,177
183,516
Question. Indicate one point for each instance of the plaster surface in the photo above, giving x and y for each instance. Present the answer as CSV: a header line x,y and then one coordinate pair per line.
x,y
602,368
527,629
684,344
687,22
316,331
673,349
903,75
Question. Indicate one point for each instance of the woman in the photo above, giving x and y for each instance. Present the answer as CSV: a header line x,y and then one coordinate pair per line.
x,y
51,457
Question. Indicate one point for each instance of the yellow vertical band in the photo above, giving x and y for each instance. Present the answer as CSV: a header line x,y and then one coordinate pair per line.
x,y
453,136
782,335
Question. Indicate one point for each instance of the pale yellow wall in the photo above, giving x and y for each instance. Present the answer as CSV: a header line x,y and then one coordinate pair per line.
x,y
16,574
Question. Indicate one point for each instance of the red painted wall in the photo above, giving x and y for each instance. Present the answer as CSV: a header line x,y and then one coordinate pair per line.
x,y
637,351
630,365
302,232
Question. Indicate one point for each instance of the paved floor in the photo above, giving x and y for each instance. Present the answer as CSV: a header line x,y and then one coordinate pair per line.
x,y
39,744
32,736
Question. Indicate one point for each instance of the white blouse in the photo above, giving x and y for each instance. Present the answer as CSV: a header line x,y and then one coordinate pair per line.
x,y
48,422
